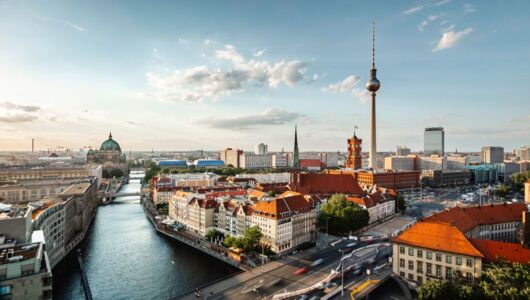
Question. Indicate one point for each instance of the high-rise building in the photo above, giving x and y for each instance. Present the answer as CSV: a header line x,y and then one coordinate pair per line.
x,y
523,153
255,161
355,158
434,141
231,156
492,155
402,151
296,154
261,148
372,86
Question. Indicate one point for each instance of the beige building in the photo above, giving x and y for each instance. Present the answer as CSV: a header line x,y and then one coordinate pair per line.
x,y
434,251
492,155
25,191
231,156
527,192
24,272
24,173
400,163
233,217
200,213
15,223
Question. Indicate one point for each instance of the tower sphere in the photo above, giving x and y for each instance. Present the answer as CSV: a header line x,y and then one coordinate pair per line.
x,y
373,84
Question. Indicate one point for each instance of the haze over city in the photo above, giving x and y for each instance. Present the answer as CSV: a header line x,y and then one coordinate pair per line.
x,y
191,75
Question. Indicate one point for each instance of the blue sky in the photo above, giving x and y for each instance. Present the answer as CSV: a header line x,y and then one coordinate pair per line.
x,y
178,75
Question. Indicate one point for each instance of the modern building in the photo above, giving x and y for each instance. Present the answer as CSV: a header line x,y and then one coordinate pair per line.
x,y
492,155
438,178
483,173
433,162
523,153
280,160
402,151
261,149
173,164
527,193
208,164
231,157
267,177
457,162
434,141
24,272
355,159
389,179
255,161
400,163
15,224
507,169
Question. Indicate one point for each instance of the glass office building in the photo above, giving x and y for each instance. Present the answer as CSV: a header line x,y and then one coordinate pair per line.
x,y
433,141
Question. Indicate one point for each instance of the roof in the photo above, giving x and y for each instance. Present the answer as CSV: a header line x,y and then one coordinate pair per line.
x,y
467,218
209,162
76,189
494,250
329,184
110,145
282,207
437,236
172,163
203,203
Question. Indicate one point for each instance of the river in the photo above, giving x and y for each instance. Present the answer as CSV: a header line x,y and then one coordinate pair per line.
x,y
125,258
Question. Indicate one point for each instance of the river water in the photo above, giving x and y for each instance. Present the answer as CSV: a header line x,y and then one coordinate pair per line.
x,y
125,258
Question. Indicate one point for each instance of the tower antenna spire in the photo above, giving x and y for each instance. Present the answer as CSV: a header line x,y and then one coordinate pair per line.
x,y
373,45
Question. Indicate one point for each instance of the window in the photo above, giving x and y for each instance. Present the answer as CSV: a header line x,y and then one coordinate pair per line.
x,y
459,260
402,274
469,262
429,268
402,250
438,257
429,255
411,276
420,253
411,252
469,277
420,267
401,263
448,272
448,259
438,271
411,265
420,279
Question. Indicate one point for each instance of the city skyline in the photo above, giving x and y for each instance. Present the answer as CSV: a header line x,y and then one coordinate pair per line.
x,y
191,76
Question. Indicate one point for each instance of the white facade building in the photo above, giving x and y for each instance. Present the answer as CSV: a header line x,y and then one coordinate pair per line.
x,y
261,149
255,161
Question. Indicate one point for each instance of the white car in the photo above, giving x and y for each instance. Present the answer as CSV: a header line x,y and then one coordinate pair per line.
x,y
317,262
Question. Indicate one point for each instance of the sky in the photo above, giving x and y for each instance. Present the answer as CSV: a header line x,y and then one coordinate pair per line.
x,y
183,75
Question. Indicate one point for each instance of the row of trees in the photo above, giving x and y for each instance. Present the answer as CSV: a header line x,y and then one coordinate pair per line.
x,y
500,281
342,216
517,181
250,241
113,173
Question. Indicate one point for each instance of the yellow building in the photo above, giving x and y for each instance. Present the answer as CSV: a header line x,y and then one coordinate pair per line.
x,y
435,251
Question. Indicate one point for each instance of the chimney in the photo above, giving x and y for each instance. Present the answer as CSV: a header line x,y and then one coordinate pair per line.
x,y
32,145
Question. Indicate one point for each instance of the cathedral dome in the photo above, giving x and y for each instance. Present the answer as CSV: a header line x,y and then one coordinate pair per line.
x,y
110,145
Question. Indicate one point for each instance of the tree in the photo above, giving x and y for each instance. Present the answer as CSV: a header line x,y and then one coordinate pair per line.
x,y
271,193
506,281
116,173
518,180
501,191
342,216
252,236
444,290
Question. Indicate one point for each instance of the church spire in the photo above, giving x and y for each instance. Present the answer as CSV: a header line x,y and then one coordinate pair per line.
x,y
296,154
110,135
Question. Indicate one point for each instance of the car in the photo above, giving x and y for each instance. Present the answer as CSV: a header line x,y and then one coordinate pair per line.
x,y
303,297
350,245
300,271
317,262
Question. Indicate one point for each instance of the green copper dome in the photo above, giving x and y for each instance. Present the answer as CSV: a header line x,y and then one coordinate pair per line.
x,y
110,145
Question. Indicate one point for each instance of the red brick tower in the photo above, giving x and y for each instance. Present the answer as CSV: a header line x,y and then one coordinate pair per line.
x,y
355,159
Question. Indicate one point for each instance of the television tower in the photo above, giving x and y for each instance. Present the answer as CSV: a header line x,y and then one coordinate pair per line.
x,y
372,86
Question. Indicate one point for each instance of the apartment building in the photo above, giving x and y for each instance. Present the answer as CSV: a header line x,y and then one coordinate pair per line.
x,y
233,217
25,173
200,215
22,192
255,161
380,203
24,272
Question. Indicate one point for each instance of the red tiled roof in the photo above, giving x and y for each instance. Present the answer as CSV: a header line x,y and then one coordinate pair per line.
x,y
282,207
467,218
494,250
437,236
328,184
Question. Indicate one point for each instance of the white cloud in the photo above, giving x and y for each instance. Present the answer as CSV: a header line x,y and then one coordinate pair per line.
x,y
451,38
206,42
349,85
442,2
259,53
12,106
426,22
74,26
449,28
469,8
346,85
271,116
199,83
415,9
18,118
182,41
